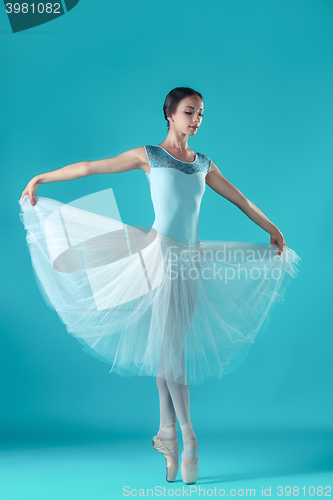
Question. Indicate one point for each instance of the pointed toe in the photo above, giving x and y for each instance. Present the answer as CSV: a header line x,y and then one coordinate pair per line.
x,y
189,473
171,464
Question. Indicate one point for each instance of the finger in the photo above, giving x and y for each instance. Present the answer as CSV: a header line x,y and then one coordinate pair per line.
x,y
280,247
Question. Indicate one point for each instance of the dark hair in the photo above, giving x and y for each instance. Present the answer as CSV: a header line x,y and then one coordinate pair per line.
x,y
174,97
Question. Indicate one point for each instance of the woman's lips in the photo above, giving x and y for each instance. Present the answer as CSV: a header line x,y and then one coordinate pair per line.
x,y
195,128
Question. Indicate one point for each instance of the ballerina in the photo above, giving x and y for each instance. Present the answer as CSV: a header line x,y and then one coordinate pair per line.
x,y
171,308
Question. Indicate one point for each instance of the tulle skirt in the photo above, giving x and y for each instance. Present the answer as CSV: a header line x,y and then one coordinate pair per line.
x,y
148,304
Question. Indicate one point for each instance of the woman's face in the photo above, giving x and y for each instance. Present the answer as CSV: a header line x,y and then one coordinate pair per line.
x,y
188,116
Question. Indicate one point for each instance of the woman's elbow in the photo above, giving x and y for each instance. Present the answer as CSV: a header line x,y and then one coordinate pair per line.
x,y
242,202
87,168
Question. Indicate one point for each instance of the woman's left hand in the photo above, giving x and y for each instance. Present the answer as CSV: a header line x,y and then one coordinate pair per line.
x,y
278,239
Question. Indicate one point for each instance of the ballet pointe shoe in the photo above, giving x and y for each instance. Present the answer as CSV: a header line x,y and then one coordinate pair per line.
x,y
171,464
189,473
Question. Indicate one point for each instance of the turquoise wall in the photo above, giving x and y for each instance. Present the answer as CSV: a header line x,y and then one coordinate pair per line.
x,y
90,85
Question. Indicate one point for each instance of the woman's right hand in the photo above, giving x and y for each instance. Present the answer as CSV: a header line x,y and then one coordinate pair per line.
x,y
30,190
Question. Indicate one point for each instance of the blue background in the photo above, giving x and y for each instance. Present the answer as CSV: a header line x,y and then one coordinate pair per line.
x,y
91,85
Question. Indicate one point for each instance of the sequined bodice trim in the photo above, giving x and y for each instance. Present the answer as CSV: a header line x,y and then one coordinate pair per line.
x,y
158,157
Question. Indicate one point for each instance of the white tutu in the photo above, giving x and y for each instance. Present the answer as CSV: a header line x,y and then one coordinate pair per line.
x,y
148,304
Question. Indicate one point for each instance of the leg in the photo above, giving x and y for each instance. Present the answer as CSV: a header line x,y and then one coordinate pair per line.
x,y
168,419
180,395
174,334
167,411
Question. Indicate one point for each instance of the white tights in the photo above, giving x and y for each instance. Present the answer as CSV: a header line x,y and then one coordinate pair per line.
x,y
175,403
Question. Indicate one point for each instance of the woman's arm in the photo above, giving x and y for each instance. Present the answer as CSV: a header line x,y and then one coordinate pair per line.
x,y
222,186
129,160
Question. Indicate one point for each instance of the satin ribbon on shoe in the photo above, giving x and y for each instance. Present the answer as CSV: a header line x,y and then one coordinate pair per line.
x,y
189,474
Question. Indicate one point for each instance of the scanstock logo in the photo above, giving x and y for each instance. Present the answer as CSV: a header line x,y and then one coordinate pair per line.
x,y
24,15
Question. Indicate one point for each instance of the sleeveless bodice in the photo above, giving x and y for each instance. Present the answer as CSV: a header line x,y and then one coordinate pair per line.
x,y
177,188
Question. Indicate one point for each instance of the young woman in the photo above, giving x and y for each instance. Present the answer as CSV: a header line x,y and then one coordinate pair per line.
x,y
174,306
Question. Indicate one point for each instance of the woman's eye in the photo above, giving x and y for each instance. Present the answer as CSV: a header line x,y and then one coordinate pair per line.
x,y
191,113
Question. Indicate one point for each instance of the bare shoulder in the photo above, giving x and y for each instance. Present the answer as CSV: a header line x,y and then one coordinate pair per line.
x,y
140,152
213,170
214,176
216,180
